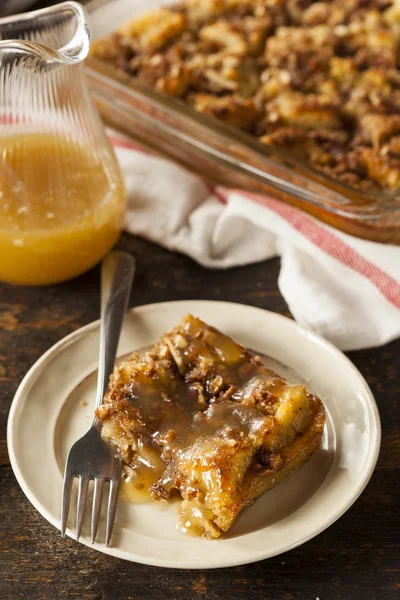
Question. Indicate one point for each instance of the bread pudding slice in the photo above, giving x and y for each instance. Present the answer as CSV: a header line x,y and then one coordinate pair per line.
x,y
202,416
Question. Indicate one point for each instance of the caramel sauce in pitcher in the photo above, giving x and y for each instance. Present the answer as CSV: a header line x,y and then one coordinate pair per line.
x,y
61,208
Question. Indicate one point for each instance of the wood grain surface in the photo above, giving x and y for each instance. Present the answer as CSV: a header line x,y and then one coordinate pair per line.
x,y
357,557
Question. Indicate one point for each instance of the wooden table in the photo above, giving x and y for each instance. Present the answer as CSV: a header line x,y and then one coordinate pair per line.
x,y
355,558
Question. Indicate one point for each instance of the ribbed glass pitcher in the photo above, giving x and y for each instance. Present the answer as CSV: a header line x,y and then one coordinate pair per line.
x,y
62,198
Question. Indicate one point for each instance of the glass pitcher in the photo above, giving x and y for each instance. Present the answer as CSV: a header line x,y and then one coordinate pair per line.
x,y
62,198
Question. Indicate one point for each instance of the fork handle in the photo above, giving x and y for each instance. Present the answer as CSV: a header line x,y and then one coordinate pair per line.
x,y
117,273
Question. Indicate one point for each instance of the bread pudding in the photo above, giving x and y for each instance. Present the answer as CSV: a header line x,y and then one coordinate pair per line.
x,y
317,79
200,417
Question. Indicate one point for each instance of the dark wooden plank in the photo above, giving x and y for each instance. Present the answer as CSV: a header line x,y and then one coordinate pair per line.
x,y
356,557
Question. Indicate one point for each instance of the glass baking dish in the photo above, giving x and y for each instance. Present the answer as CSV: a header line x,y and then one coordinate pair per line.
x,y
222,153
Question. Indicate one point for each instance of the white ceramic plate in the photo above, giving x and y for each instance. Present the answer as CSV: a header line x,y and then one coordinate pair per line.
x,y
54,403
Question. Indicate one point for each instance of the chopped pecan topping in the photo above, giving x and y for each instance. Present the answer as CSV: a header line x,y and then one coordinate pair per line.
x,y
214,424
283,71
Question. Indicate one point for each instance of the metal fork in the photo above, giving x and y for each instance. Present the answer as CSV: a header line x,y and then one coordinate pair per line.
x,y
91,457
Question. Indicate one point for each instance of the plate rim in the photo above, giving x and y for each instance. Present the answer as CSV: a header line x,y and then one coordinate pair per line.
x,y
34,371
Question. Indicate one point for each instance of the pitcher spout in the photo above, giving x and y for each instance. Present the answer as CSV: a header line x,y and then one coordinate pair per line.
x,y
56,35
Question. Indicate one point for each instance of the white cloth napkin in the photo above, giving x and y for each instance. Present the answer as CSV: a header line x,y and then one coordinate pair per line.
x,y
346,289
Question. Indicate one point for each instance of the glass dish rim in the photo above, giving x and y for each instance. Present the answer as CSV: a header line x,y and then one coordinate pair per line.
x,y
370,206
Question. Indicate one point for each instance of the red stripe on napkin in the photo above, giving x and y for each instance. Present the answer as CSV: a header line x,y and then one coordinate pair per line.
x,y
323,238
331,244
118,142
